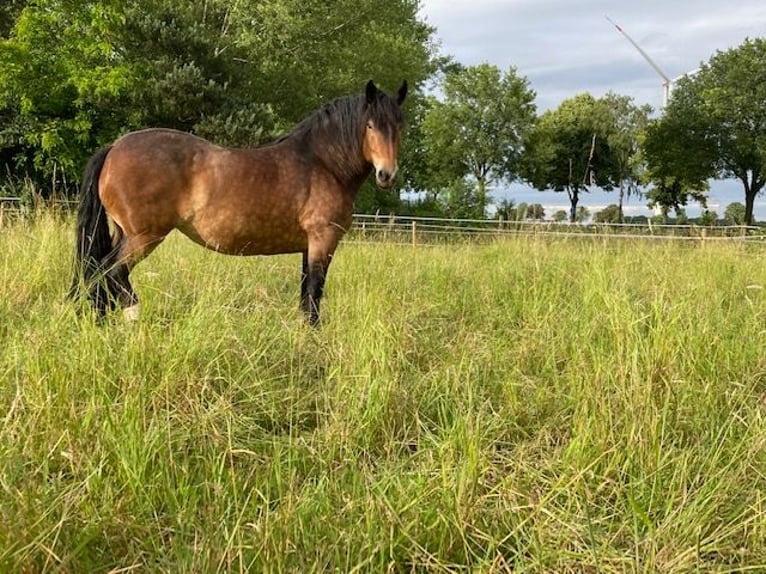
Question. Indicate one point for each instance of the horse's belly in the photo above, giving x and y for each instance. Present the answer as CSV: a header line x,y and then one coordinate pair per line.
x,y
267,238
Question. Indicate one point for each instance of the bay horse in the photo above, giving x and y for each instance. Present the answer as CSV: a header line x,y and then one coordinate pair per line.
x,y
295,195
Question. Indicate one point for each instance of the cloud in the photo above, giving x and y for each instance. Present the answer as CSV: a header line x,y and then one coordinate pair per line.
x,y
565,47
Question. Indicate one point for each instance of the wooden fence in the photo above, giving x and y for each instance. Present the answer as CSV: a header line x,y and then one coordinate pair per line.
x,y
431,230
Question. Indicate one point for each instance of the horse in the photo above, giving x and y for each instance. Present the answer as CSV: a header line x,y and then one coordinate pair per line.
x,y
294,195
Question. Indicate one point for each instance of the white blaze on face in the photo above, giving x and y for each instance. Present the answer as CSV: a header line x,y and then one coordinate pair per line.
x,y
381,150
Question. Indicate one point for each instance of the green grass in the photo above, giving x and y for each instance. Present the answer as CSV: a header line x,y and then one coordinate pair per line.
x,y
531,405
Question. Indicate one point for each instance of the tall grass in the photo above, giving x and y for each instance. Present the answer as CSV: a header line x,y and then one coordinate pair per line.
x,y
528,406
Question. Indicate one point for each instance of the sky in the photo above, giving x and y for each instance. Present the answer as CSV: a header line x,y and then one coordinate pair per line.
x,y
565,47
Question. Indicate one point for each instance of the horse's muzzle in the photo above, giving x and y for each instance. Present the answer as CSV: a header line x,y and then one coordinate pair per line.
x,y
384,177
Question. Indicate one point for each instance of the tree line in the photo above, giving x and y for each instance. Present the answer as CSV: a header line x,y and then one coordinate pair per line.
x,y
75,75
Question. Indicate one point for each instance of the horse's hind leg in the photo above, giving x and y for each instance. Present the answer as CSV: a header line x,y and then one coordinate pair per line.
x,y
131,251
121,290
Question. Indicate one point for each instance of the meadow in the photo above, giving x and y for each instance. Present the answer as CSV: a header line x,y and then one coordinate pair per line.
x,y
521,405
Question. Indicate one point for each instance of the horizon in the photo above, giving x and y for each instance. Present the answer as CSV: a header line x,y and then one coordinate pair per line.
x,y
721,194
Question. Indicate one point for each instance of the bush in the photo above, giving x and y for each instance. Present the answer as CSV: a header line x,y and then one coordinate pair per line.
x,y
610,214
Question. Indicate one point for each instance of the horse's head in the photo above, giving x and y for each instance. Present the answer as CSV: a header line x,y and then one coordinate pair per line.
x,y
384,124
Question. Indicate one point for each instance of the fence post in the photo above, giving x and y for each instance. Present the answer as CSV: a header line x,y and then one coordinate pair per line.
x,y
414,233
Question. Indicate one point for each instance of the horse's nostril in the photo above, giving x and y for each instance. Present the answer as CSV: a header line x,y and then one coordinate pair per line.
x,y
384,176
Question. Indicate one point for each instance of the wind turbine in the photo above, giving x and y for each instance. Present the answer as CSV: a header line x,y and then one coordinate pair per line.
x,y
667,83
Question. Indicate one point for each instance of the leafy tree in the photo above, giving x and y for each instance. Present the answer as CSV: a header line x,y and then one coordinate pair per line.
x,y
478,130
583,214
506,210
569,150
75,75
560,216
536,211
78,74
9,11
735,213
709,218
461,201
669,194
667,147
306,52
627,121
718,120
610,214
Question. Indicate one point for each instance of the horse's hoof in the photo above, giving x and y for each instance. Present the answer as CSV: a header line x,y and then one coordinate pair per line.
x,y
132,313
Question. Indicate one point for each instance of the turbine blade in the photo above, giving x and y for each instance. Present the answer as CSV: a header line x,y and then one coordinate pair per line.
x,y
641,51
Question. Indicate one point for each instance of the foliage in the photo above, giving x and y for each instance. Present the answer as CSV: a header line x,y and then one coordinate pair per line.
x,y
569,149
560,216
610,214
582,215
9,11
708,217
506,210
626,122
716,121
462,202
75,75
536,211
478,130
676,151
669,194
735,213
373,199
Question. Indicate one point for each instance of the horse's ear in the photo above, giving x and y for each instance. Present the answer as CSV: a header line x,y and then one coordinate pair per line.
x,y
371,91
402,93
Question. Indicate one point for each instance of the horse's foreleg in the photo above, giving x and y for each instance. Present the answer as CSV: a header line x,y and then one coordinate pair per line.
x,y
316,263
305,283
314,288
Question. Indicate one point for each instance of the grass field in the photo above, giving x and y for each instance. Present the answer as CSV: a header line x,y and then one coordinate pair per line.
x,y
523,406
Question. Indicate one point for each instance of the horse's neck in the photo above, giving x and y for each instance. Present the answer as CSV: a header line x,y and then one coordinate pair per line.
x,y
346,162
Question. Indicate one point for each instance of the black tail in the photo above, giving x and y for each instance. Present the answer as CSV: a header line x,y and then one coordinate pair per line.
x,y
93,242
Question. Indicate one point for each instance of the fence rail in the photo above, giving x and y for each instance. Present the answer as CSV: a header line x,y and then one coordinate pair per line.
x,y
435,230
425,230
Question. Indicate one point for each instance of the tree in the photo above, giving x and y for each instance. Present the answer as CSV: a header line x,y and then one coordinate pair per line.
x,y
676,155
306,52
569,150
9,11
536,211
735,213
708,218
583,213
506,210
626,122
560,216
75,75
610,214
478,130
461,201
719,116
